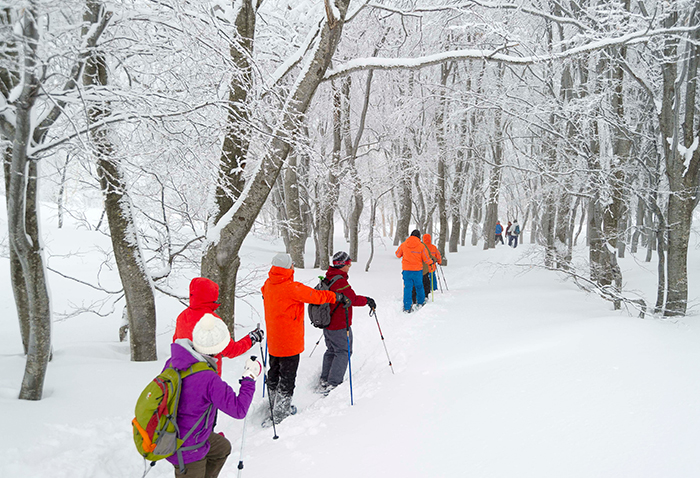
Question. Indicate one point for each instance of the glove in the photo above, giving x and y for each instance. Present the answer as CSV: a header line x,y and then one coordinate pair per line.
x,y
341,299
256,336
253,368
371,303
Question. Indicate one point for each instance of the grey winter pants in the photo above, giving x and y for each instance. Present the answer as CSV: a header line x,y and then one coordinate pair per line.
x,y
335,360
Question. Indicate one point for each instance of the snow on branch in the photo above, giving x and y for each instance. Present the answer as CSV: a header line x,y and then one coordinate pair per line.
x,y
466,5
361,64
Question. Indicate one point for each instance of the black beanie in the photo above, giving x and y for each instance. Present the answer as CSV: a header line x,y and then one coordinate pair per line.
x,y
341,259
416,233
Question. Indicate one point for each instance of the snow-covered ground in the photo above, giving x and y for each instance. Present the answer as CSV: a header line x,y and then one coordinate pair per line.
x,y
513,372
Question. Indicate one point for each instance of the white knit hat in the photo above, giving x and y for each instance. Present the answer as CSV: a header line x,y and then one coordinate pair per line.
x,y
210,336
283,260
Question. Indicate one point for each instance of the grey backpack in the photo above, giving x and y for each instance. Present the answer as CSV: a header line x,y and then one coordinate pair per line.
x,y
320,314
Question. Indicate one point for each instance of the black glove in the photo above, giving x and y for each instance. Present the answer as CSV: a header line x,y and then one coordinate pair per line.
x,y
371,303
341,299
256,335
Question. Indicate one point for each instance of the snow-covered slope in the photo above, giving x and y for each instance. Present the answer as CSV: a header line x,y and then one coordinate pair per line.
x,y
513,372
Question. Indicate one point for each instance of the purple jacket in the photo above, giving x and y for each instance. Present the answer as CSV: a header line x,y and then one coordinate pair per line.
x,y
197,393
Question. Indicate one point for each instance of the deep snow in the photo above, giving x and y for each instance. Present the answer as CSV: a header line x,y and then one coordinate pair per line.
x,y
513,372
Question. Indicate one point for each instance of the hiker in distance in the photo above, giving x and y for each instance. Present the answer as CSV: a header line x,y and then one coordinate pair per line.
x,y
430,279
509,233
284,301
499,233
335,360
203,394
413,255
515,233
203,296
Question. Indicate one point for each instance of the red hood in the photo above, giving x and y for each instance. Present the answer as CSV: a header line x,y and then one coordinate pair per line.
x,y
203,293
427,239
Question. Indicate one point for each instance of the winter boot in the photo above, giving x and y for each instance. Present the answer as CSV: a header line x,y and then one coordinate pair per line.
x,y
283,407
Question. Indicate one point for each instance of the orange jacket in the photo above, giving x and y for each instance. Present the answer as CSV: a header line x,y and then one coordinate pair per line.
x,y
203,296
414,254
284,302
433,250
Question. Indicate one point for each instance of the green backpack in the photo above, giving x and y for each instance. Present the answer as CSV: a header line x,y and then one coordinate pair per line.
x,y
156,433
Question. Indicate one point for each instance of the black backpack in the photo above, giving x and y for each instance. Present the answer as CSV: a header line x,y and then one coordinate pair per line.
x,y
320,314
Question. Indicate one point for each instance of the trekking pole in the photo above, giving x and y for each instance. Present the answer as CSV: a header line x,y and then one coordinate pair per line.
x,y
318,342
264,362
444,279
439,281
240,458
373,312
347,332
272,414
432,289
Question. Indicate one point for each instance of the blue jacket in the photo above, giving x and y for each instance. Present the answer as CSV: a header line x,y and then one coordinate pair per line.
x,y
499,229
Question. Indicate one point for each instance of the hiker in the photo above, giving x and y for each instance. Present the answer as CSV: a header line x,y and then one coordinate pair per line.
x,y
335,360
284,302
430,279
203,296
515,233
499,233
509,233
413,255
208,451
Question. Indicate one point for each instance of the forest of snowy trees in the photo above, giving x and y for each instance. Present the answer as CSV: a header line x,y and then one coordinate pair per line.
x,y
191,123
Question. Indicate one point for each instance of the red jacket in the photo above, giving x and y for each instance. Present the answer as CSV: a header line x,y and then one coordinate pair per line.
x,y
284,302
203,296
343,286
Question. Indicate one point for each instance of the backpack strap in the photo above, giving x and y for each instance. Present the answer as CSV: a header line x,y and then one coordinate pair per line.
x,y
330,283
181,375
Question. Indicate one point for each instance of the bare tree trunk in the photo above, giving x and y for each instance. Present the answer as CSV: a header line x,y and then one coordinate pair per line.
x,y
294,225
352,148
8,81
463,160
19,285
679,127
405,204
217,265
237,139
138,289
639,225
23,223
221,259
440,134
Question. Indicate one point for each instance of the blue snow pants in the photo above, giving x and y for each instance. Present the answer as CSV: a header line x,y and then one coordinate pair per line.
x,y
412,279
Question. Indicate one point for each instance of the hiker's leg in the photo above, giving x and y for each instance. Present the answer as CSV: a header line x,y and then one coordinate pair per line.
x,y
273,373
328,356
220,449
339,340
407,289
287,374
196,469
